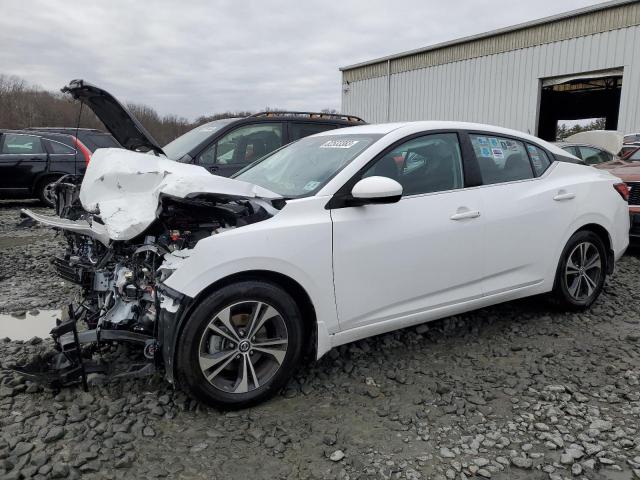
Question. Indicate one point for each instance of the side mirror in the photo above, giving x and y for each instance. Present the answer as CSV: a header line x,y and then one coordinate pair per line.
x,y
376,190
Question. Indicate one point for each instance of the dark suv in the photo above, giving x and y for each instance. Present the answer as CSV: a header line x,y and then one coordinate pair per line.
x,y
31,162
226,146
223,146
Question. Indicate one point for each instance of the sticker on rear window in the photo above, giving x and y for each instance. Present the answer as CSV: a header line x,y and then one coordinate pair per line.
x,y
339,143
497,153
485,152
494,142
483,141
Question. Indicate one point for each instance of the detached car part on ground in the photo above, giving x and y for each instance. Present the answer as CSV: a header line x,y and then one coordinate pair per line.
x,y
226,284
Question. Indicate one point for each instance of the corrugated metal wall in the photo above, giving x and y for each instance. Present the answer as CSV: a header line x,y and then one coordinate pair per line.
x,y
500,89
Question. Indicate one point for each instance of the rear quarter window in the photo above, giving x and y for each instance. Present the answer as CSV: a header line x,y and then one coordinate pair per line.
x,y
539,159
60,148
94,142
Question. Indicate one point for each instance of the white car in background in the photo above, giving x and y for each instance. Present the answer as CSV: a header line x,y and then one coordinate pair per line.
x,y
349,233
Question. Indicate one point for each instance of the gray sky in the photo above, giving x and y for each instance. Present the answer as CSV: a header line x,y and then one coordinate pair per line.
x,y
202,57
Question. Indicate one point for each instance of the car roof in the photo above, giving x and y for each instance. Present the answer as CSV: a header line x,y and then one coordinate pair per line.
x,y
37,133
385,128
67,129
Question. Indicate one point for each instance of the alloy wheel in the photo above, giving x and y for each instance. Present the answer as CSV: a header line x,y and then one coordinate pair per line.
x,y
243,346
583,271
48,193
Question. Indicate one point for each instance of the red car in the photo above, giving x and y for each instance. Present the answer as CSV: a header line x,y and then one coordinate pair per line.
x,y
629,173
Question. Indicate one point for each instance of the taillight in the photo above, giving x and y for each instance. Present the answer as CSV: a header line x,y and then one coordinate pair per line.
x,y
84,150
623,190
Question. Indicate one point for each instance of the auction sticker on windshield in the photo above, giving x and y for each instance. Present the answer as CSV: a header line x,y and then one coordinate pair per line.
x,y
339,143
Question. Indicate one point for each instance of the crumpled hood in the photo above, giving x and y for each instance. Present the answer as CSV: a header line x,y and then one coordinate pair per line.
x,y
124,187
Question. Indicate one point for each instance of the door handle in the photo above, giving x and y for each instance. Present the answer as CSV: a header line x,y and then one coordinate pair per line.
x,y
562,195
465,214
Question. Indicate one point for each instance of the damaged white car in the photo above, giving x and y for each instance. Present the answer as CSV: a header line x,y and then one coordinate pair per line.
x,y
226,284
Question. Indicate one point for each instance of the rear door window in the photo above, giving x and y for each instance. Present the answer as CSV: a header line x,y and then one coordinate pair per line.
x,y
298,130
17,144
501,159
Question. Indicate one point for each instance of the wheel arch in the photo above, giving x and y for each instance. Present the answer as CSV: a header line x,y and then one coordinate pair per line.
x,y
42,177
605,236
297,291
602,233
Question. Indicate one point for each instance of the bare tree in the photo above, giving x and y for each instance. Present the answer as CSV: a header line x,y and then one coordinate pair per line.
x,y
24,105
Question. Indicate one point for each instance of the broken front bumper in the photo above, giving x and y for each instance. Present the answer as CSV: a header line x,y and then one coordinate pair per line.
x,y
173,309
93,230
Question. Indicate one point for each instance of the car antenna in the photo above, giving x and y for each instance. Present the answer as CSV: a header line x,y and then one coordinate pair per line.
x,y
75,160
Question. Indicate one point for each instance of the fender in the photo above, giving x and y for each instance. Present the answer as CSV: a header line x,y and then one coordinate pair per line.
x,y
579,223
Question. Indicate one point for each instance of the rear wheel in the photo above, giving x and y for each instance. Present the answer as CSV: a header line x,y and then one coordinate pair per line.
x,y
45,191
240,345
582,270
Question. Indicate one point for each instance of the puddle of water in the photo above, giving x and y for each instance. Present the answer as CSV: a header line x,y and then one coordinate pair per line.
x,y
24,328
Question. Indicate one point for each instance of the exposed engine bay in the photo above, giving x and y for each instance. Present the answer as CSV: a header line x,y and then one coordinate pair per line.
x,y
120,258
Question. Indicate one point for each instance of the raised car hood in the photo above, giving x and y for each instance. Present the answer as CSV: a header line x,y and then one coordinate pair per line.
x,y
124,189
116,117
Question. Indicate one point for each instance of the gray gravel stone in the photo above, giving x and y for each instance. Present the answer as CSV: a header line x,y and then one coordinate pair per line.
x,y
56,433
507,389
522,462
337,456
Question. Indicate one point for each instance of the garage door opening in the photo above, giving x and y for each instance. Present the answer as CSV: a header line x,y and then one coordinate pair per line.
x,y
579,97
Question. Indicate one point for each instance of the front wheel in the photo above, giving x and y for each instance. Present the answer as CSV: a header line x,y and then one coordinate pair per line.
x,y
582,270
240,345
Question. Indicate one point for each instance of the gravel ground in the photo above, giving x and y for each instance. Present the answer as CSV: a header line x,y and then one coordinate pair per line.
x,y
517,391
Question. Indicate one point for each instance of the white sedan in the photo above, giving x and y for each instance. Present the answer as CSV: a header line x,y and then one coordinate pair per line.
x,y
228,283
387,226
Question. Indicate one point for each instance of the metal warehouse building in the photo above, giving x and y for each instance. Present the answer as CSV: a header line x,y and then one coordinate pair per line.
x,y
580,64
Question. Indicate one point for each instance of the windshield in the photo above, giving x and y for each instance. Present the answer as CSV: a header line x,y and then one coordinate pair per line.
x,y
182,145
304,167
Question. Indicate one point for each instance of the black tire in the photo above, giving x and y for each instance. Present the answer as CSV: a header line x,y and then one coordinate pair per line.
x,y
42,191
191,376
566,293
